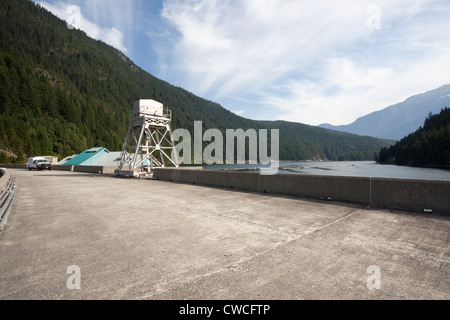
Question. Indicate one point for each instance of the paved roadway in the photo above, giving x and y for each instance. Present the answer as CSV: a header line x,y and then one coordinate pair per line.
x,y
146,239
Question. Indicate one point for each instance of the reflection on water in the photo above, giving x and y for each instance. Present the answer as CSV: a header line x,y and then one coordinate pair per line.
x,y
344,168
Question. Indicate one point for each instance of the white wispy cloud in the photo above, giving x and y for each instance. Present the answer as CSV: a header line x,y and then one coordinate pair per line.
x,y
75,16
239,112
308,61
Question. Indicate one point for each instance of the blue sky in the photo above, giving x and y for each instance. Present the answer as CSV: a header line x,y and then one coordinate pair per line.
x,y
309,61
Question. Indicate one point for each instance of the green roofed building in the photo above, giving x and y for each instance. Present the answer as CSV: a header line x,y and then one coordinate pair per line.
x,y
93,157
101,157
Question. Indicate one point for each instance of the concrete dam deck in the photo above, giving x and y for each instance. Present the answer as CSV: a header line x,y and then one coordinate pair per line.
x,y
151,239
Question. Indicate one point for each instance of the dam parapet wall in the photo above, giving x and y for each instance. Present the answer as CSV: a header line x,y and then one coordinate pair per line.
x,y
403,194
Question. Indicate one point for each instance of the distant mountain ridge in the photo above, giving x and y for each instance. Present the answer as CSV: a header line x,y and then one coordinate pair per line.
x,y
401,119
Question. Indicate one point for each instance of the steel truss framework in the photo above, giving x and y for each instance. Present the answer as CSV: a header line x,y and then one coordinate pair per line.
x,y
151,142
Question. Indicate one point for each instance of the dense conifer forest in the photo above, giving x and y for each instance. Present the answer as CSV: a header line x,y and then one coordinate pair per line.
x,y
62,92
428,146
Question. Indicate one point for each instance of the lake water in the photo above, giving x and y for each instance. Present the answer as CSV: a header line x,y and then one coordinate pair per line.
x,y
345,168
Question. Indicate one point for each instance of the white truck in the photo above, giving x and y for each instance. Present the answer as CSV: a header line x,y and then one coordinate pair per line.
x,y
38,163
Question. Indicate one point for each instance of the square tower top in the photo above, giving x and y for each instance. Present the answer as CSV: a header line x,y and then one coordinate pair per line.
x,y
147,107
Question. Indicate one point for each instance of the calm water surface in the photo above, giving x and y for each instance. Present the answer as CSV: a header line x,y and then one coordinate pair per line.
x,y
347,168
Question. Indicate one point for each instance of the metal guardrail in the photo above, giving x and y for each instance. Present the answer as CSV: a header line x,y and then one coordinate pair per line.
x,y
6,199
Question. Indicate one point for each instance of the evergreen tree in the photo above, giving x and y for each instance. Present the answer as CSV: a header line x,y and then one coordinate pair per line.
x,y
62,92
428,146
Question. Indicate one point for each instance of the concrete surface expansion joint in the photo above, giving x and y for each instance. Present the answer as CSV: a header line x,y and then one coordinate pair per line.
x,y
236,264
207,243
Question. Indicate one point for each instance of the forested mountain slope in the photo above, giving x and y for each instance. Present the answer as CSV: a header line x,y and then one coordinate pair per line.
x,y
428,146
62,92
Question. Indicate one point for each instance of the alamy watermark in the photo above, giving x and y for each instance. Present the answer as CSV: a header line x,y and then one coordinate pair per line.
x,y
74,280
374,17
374,279
235,147
74,17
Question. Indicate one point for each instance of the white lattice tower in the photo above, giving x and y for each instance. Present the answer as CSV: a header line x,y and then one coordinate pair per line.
x,y
149,141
